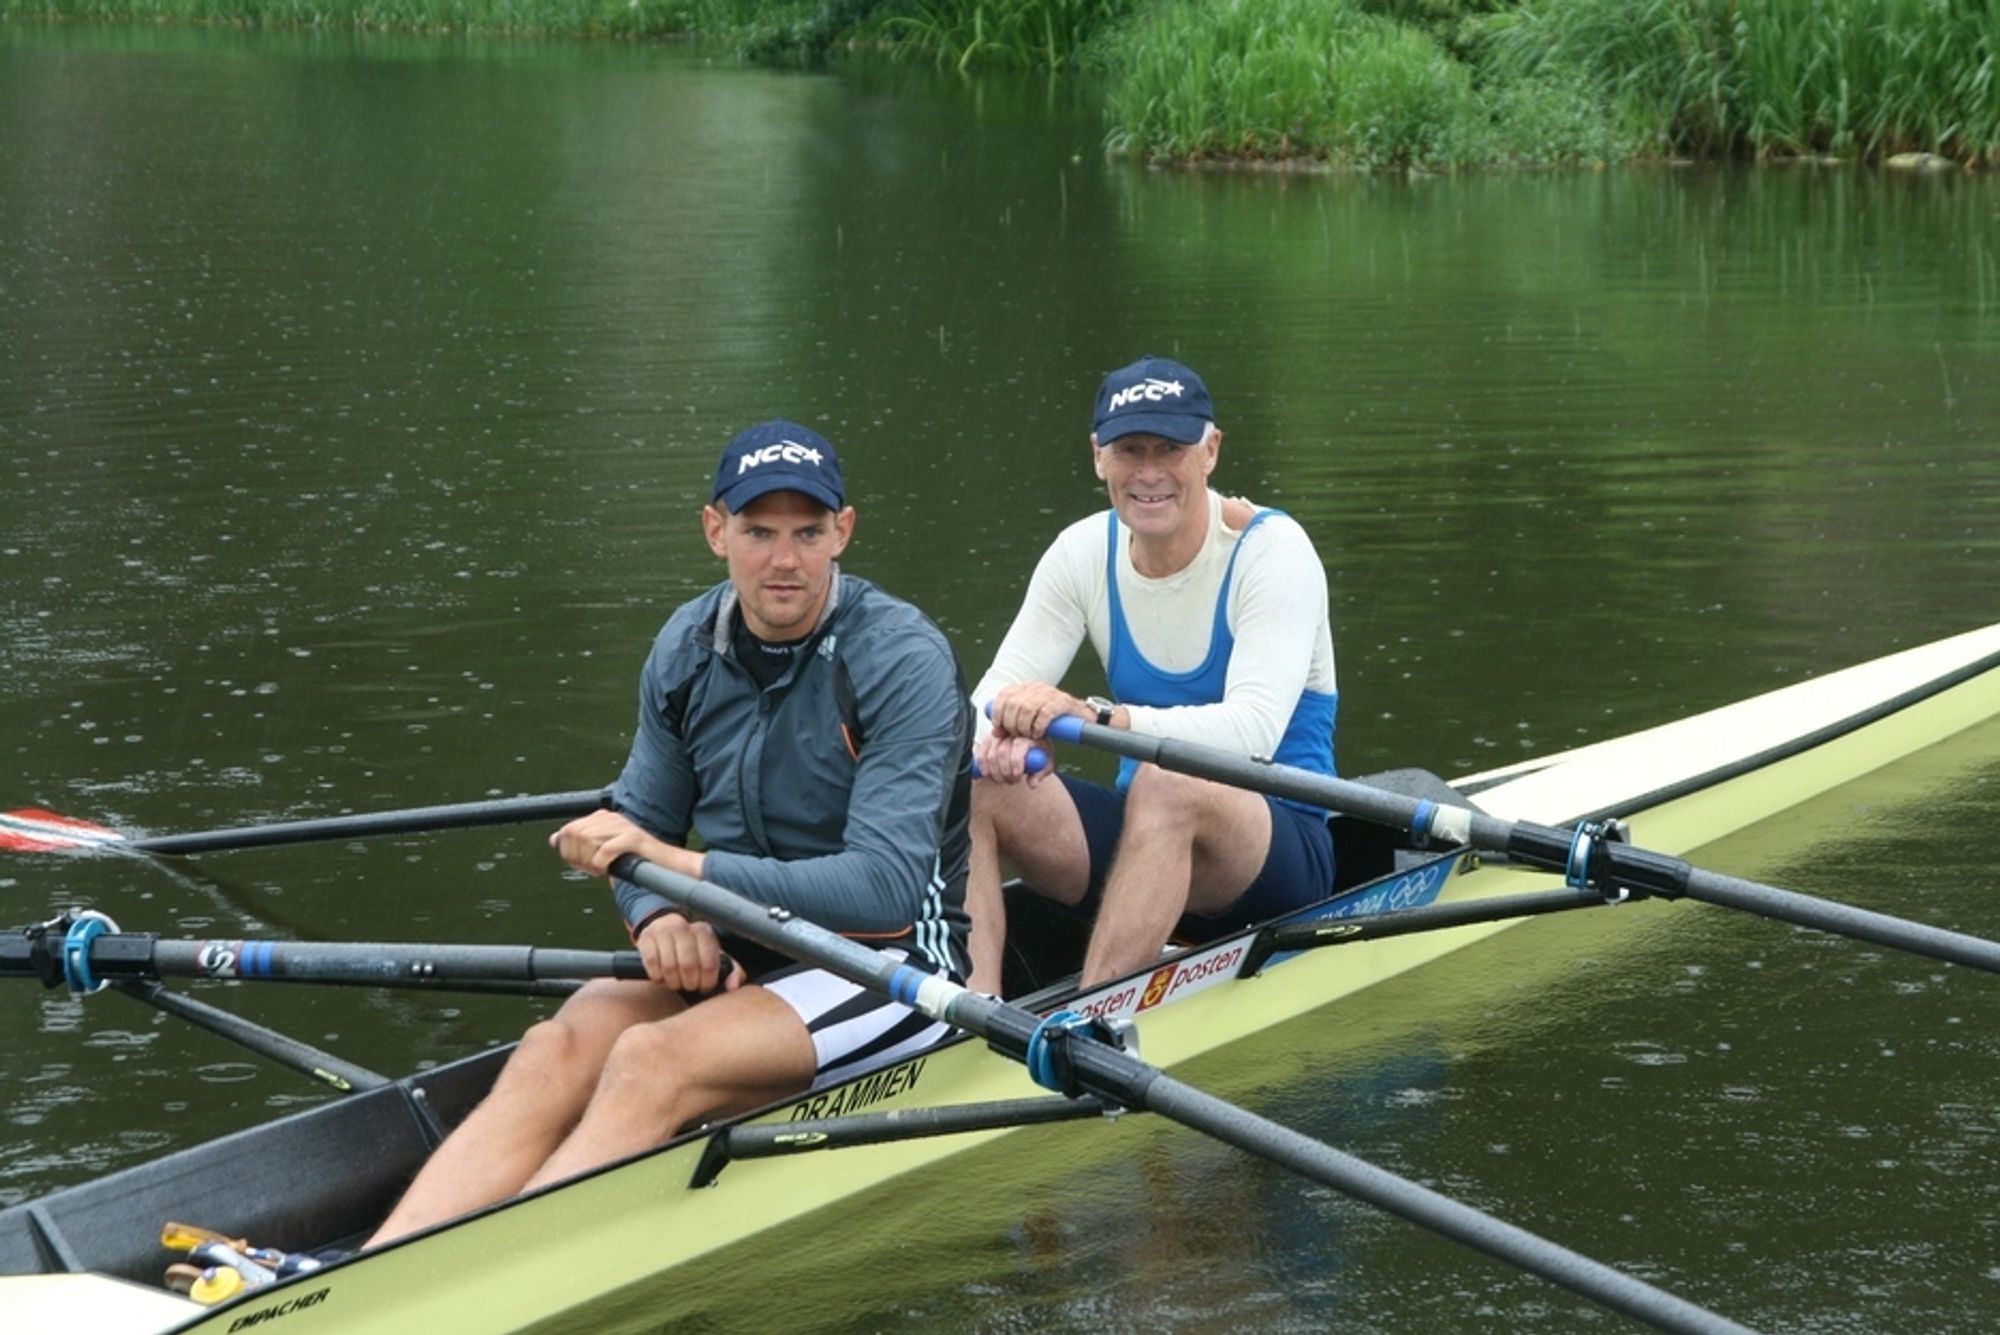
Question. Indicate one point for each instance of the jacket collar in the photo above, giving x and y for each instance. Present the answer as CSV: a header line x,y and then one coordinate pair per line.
x,y
720,632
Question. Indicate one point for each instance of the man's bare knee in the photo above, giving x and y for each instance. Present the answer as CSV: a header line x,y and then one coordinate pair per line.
x,y
550,1050
568,1049
997,805
1163,798
1037,833
1002,815
552,1064
644,1080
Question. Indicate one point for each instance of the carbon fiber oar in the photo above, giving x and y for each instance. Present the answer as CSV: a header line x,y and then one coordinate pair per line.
x,y
86,952
1068,1053
35,830
1592,855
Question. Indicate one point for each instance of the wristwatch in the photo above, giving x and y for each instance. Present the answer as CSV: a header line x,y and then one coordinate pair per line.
x,y
1105,709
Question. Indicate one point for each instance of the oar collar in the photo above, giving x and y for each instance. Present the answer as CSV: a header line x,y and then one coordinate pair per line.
x,y
59,949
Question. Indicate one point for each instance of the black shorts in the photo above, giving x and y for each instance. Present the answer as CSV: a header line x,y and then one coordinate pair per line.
x,y
1298,869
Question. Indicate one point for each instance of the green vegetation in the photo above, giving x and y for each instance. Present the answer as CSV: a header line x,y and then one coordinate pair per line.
x,y
1431,84
1305,79
1428,83
1036,34
619,18
1770,77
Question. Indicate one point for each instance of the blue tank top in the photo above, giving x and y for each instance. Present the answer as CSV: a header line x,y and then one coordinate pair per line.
x,y
1307,742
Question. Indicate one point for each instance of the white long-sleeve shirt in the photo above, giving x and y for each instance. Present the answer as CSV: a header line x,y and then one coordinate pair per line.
x,y
1277,613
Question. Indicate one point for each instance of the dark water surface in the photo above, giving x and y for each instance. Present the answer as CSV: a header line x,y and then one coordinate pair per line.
x,y
357,396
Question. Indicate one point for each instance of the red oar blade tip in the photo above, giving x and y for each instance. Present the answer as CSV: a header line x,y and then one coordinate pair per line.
x,y
33,830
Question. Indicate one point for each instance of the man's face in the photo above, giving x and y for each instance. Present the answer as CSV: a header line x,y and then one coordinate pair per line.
x,y
1158,486
780,549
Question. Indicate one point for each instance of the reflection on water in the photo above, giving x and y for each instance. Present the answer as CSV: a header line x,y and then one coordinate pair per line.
x,y
356,396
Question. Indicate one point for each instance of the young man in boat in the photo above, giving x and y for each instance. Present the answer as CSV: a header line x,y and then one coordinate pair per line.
x,y
815,731
1209,615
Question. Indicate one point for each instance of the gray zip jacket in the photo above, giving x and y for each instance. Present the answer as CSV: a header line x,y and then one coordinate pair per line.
x,y
842,792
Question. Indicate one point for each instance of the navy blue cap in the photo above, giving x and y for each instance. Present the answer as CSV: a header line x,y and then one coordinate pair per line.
x,y
778,456
1154,395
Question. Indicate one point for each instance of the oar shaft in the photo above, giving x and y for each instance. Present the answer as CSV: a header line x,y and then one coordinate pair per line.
x,y
1460,1222
1607,863
411,820
386,964
1208,762
1845,920
126,955
1119,1077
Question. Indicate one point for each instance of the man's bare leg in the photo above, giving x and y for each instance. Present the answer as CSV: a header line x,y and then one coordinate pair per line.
x,y
537,1099
731,1053
1186,845
1035,828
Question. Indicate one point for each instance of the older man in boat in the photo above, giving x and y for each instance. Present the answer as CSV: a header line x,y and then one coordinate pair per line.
x,y
1209,615
814,730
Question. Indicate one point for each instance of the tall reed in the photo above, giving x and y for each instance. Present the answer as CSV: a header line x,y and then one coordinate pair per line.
x,y
1288,78
1771,77
1036,34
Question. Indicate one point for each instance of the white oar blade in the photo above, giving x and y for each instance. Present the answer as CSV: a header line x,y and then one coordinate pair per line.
x,y
33,830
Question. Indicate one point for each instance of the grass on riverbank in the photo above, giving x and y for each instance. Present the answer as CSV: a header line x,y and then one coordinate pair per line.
x,y
1032,34
1557,81
1325,82
1866,78
1432,84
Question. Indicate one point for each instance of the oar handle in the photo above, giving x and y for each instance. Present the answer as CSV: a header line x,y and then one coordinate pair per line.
x,y
1037,761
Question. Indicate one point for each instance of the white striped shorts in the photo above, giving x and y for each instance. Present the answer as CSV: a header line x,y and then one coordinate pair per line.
x,y
852,1028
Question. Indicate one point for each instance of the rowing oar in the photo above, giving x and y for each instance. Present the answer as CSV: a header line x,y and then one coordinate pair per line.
x,y
1591,854
33,830
86,951
1072,1054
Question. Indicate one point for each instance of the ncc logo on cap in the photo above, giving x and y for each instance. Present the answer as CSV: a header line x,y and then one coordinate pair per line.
x,y
788,451
778,456
1155,396
1151,390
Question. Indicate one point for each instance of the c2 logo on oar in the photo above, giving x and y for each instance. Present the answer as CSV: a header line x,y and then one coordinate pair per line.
x,y
217,958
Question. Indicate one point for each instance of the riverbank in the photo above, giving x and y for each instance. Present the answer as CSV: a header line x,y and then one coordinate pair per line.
x,y
1424,84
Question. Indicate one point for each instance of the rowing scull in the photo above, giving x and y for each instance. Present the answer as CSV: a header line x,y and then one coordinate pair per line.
x,y
319,1176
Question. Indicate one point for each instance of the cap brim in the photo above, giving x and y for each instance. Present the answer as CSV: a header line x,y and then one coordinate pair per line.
x,y
750,488
1173,426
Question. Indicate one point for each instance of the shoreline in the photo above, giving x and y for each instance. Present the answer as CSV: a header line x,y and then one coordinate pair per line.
x,y
1306,87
